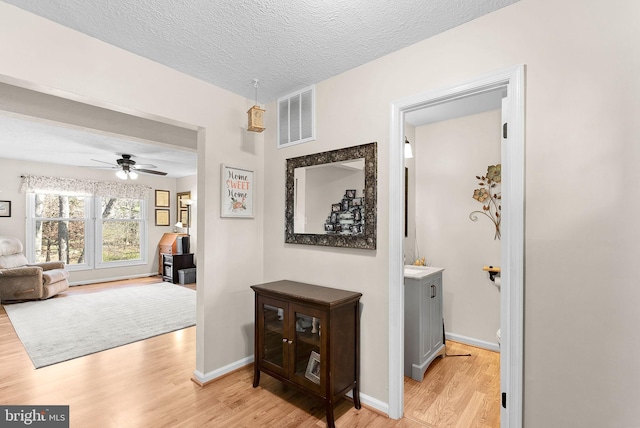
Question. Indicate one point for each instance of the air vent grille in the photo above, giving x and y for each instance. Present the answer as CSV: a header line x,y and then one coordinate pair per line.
x,y
296,117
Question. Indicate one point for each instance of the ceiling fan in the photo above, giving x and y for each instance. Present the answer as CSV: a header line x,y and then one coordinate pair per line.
x,y
127,167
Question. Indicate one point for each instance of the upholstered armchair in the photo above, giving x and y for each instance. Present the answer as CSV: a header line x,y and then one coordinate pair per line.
x,y
20,280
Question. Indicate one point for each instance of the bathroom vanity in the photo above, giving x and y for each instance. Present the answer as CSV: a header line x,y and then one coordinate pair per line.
x,y
423,323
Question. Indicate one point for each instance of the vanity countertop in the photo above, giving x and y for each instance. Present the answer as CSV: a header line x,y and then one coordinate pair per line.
x,y
419,272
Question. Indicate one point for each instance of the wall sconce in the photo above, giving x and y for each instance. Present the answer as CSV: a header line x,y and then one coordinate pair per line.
x,y
256,114
408,154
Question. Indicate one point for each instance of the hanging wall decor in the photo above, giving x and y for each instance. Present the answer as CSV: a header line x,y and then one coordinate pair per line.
x,y
489,195
255,114
236,194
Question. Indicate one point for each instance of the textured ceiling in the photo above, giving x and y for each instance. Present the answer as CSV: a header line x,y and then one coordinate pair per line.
x,y
285,44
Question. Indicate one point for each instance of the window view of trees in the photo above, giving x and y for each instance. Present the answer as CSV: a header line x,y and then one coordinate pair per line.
x,y
63,222
60,229
120,229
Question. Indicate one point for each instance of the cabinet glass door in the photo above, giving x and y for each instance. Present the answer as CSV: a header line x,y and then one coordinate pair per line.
x,y
307,349
273,340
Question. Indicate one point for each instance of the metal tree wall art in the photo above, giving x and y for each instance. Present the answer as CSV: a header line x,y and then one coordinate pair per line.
x,y
489,195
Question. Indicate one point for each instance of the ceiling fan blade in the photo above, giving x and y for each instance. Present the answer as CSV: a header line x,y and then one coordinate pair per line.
x,y
150,171
99,167
108,163
138,166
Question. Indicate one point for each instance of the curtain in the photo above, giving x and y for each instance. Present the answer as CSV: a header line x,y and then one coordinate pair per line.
x,y
75,187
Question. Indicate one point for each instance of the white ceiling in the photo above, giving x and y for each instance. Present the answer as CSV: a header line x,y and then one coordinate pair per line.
x,y
285,44
460,107
45,142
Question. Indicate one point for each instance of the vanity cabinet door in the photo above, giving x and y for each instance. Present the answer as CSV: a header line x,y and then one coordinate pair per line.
x,y
435,314
274,334
423,335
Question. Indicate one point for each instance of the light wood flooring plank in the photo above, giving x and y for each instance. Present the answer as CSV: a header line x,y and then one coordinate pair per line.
x,y
147,384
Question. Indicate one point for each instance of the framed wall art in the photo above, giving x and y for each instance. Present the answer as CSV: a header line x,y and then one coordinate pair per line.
x,y
162,198
236,194
162,217
5,208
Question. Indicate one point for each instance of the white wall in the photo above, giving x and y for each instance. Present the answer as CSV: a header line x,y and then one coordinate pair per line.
x,y
581,237
448,157
42,55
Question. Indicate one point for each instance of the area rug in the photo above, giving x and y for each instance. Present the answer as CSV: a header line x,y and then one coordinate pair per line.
x,y
74,325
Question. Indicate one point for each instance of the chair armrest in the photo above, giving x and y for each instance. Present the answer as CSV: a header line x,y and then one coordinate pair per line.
x,y
21,271
48,265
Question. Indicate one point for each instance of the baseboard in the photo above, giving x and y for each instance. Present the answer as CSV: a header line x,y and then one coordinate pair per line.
x,y
115,278
473,342
372,403
204,378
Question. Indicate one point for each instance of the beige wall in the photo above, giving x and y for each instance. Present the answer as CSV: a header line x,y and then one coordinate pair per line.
x,y
448,157
582,104
45,56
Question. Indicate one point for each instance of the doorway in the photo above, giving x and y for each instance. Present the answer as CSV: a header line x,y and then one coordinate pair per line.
x,y
512,259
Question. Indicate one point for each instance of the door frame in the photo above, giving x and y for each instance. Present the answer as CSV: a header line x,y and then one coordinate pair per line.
x,y
512,243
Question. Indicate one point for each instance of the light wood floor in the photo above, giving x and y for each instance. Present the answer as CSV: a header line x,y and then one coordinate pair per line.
x,y
147,384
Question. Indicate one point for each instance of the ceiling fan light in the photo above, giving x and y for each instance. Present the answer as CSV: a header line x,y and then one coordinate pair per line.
x,y
133,175
121,175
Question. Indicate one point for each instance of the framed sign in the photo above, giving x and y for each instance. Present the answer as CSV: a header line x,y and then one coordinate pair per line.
x,y
162,217
162,198
5,208
236,194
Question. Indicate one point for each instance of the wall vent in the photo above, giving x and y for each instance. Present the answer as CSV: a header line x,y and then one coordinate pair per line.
x,y
297,117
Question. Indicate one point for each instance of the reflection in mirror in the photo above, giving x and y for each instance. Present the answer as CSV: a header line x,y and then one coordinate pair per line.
x,y
331,198
337,205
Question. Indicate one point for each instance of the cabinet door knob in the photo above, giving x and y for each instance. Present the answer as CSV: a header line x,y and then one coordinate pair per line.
x,y
284,339
290,342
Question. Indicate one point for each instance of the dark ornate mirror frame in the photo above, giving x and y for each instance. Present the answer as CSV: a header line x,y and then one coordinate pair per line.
x,y
367,240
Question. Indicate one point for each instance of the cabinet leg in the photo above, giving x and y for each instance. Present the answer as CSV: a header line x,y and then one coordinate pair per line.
x,y
356,397
256,377
329,410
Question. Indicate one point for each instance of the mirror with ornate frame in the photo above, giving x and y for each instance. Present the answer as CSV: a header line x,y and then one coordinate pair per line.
x,y
350,221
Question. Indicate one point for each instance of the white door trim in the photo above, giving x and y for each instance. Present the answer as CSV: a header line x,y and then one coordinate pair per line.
x,y
512,275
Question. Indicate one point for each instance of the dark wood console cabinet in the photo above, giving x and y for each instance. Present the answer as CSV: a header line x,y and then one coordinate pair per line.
x,y
167,245
172,263
308,337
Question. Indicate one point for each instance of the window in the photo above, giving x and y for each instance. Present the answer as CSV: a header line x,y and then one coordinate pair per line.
x,y
65,228
59,229
120,227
